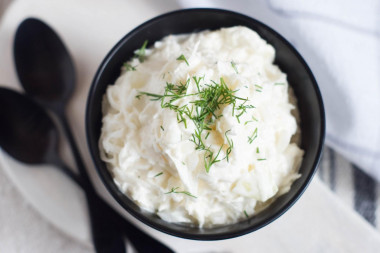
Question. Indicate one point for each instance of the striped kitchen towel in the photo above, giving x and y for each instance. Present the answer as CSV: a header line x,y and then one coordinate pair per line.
x,y
356,188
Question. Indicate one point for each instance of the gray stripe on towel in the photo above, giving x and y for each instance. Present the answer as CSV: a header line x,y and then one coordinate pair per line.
x,y
365,195
332,169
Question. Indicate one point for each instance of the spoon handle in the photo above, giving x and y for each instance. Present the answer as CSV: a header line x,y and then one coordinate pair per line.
x,y
64,168
142,242
107,236
74,148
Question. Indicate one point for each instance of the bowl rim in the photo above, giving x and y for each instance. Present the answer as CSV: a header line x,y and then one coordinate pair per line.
x,y
225,235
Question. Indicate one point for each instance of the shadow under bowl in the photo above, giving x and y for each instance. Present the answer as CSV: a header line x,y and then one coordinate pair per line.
x,y
287,58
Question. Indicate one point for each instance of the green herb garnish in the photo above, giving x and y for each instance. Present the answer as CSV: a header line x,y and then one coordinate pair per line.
x,y
159,174
257,150
253,136
246,215
243,108
129,67
258,88
279,83
261,159
174,190
233,64
202,111
230,145
182,58
162,128
140,54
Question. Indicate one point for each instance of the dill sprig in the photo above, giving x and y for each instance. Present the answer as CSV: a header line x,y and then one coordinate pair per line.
x,y
140,54
182,58
159,174
202,111
279,83
258,88
253,136
129,67
174,190
246,215
243,108
233,64
230,145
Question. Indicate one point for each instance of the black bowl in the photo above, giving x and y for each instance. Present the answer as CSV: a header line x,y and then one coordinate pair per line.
x,y
287,58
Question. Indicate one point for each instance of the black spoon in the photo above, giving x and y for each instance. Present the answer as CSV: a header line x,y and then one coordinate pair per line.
x,y
29,135
47,73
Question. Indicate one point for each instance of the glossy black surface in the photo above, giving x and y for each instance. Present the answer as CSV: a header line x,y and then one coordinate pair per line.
x,y
47,73
299,76
27,133
43,63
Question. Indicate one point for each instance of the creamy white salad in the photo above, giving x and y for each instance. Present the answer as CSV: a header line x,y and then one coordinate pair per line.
x,y
201,128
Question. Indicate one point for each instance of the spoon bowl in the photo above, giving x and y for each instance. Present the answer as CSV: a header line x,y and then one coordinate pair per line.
x,y
27,132
43,64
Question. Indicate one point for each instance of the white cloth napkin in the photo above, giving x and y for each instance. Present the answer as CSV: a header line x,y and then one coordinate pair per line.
x,y
340,40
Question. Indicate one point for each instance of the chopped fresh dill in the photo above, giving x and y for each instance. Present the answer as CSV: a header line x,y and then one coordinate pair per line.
x,y
174,190
210,159
140,54
129,67
258,88
162,128
279,83
257,150
197,82
183,163
249,121
233,64
261,159
243,108
182,58
202,111
246,215
245,86
253,136
159,174
230,145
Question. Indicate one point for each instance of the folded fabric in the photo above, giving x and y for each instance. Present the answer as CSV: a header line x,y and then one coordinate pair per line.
x,y
340,40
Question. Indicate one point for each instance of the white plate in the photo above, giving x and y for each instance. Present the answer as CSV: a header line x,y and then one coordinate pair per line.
x,y
89,28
